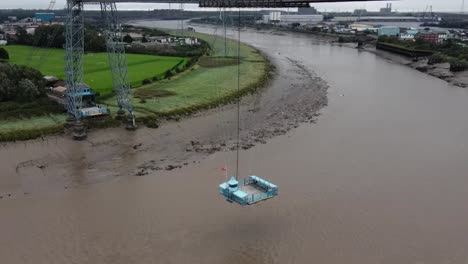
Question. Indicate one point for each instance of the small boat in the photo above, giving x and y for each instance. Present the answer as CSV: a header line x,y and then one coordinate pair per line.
x,y
250,190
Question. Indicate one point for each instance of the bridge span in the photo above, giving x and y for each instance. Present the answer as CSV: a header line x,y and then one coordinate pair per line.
x,y
229,3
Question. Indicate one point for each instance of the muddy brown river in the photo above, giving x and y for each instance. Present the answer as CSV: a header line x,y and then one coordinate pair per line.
x,y
380,177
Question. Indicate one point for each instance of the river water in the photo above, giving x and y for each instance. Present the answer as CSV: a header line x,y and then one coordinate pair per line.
x,y
382,177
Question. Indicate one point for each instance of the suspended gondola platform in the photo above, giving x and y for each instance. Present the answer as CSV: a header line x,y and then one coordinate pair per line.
x,y
249,191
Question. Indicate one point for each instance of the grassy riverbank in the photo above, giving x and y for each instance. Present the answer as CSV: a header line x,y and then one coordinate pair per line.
x,y
96,65
205,85
211,82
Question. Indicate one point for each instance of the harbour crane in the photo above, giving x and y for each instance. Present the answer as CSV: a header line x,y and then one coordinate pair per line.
x,y
51,4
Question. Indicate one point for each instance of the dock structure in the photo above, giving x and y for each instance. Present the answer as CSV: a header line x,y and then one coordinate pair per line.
x,y
249,191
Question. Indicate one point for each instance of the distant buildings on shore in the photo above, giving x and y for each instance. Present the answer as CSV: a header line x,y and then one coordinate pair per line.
x,y
148,41
387,10
277,17
424,35
30,24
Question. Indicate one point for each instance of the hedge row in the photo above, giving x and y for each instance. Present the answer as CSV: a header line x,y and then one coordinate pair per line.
x,y
26,134
43,106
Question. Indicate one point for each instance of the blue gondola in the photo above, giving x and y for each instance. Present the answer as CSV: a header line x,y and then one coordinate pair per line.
x,y
251,190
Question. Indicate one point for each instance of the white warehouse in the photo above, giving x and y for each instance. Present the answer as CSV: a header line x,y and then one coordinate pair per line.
x,y
277,17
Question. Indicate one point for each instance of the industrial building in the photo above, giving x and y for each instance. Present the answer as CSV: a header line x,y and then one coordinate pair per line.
x,y
44,17
406,37
279,18
387,9
389,31
432,37
307,11
363,27
360,12
375,19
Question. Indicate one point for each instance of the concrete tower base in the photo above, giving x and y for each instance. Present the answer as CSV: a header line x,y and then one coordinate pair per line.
x,y
79,131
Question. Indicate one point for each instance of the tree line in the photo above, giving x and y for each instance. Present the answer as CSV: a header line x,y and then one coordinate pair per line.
x,y
53,36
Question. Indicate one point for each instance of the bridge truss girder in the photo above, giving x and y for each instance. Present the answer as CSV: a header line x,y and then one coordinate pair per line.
x,y
74,53
117,58
252,3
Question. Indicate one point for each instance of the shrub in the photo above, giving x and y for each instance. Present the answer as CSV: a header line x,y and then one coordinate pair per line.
x,y
155,79
127,38
168,74
26,134
41,106
4,54
151,121
146,81
436,58
458,66
20,83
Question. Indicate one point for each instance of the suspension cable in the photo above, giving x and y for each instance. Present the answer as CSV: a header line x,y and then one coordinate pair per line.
x,y
238,91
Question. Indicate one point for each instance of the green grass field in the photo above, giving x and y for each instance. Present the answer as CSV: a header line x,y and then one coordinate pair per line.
x,y
205,84
96,68
201,85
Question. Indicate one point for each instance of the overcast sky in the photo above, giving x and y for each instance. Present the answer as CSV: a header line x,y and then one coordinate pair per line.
x,y
402,5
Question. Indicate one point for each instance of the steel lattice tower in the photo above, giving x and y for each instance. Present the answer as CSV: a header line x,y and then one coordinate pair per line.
x,y
74,53
117,60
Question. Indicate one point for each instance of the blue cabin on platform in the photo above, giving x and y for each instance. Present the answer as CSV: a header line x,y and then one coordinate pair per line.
x,y
89,108
251,190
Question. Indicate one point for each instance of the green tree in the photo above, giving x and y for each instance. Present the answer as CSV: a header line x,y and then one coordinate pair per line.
x,y
49,36
23,37
144,39
127,38
4,54
20,83
94,42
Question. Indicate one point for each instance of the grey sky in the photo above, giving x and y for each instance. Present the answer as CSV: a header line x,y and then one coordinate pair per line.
x,y
403,5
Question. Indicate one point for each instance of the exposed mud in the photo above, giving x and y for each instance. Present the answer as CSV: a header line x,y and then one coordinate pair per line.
x,y
293,97
261,118
439,70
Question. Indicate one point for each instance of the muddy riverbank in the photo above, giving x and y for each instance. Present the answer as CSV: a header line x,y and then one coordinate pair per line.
x,y
292,97
439,70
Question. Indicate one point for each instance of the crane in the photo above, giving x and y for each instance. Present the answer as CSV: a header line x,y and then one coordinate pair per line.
x,y
51,4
